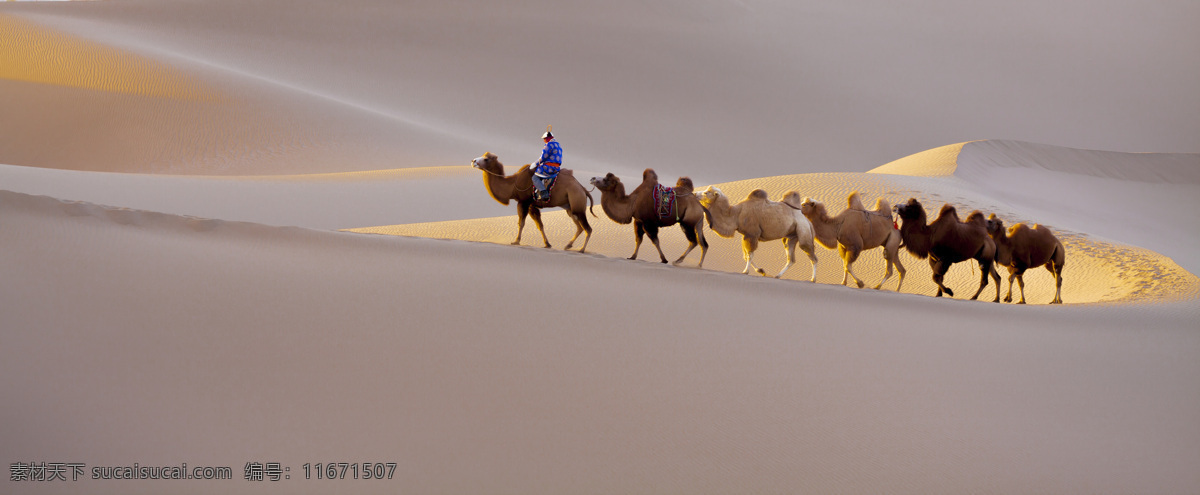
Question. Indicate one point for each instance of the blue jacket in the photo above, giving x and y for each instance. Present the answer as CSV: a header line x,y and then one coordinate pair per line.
x,y
552,153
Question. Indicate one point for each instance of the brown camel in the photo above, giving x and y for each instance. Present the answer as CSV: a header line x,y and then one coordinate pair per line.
x,y
855,230
638,207
1022,248
568,193
760,219
947,241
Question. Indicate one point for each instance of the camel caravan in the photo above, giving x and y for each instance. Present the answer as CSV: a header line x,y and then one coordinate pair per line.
x,y
799,223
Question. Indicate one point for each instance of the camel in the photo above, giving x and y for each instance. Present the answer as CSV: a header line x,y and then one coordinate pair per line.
x,y
568,194
1024,247
947,241
760,219
855,230
638,207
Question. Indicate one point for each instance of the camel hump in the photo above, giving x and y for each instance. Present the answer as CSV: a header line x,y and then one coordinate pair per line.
x,y
976,218
1042,228
854,202
1018,227
883,207
684,186
757,194
948,211
792,199
649,175
566,172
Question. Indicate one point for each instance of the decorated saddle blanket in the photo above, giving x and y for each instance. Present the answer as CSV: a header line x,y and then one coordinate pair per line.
x,y
664,203
549,182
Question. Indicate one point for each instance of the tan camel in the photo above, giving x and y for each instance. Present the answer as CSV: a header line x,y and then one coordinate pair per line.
x,y
568,193
638,207
947,241
1024,247
855,230
760,219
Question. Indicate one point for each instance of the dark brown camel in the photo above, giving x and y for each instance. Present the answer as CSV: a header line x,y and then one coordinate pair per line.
x,y
1022,248
568,194
638,207
947,241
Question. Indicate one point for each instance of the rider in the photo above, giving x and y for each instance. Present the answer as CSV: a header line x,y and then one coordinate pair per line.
x,y
547,166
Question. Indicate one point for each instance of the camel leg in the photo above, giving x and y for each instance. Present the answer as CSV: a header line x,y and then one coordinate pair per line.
x,y
891,251
1021,283
749,244
939,274
810,250
789,245
984,268
887,273
1056,269
849,256
587,227
638,232
1012,275
690,234
536,215
842,255
522,210
996,277
652,233
578,230
703,242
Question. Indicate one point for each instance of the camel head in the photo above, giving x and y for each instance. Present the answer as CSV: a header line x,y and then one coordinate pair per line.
x,y
808,207
912,210
995,225
709,196
607,183
488,163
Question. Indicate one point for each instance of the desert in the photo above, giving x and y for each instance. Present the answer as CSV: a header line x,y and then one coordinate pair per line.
x,y
254,234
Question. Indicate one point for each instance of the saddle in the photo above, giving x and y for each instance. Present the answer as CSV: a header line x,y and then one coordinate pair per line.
x,y
664,202
549,182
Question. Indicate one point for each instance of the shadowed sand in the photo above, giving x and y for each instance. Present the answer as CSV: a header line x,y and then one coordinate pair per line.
x,y
204,340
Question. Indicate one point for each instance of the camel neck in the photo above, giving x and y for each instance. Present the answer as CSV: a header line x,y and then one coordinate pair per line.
x,y
501,187
825,229
723,217
1004,248
617,205
916,236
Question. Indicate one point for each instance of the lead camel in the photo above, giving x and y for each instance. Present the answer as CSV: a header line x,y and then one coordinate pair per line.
x,y
568,194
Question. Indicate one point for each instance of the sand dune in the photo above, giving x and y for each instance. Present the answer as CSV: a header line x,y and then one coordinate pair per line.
x,y
1099,269
174,178
323,201
747,89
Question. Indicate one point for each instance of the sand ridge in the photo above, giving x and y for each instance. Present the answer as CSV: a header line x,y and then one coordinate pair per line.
x,y
1097,270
